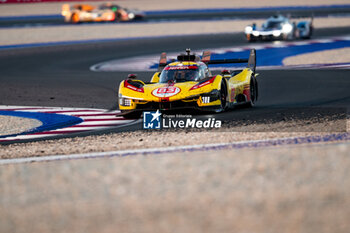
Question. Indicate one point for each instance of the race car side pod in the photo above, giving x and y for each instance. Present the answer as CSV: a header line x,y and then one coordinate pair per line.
x,y
251,60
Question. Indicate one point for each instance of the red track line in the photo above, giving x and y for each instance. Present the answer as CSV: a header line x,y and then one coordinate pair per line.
x,y
97,114
108,119
104,125
66,111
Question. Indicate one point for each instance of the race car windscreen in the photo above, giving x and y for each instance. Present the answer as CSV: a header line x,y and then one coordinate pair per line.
x,y
273,25
109,7
179,74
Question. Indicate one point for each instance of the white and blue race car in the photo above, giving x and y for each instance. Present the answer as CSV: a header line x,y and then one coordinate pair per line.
x,y
278,27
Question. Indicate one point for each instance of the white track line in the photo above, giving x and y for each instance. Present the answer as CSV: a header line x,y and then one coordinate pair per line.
x,y
114,153
216,146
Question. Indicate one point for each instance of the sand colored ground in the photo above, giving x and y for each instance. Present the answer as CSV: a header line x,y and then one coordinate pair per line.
x,y
146,5
324,57
272,190
143,139
14,125
112,31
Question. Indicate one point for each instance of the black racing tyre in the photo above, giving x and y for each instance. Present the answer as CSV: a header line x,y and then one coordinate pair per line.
x,y
256,89
251,39
223,95
253,92
132,115
311,31
116,16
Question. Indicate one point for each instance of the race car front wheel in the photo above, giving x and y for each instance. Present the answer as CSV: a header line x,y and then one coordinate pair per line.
x,y
250,38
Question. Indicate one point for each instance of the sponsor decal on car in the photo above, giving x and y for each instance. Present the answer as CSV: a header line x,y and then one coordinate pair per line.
x,y
199,85
232,94
193,67
127,85
166,91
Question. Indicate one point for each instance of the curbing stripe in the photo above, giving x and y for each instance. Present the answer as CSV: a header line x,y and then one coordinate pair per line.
x,y
87,119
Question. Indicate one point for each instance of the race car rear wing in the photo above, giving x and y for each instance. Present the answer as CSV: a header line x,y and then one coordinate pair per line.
x,y
206,59
251,60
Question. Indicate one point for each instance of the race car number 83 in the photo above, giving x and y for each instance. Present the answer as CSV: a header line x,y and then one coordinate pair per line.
x,y
166,91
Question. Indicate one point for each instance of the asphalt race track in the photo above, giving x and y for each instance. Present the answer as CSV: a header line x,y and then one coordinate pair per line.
x,y
60,76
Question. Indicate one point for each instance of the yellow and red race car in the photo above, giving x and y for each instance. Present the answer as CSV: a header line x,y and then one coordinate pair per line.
x,y
105,13
188,83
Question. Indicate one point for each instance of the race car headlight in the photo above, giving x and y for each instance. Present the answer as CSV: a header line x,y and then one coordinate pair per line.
x,y
287,28
248,29
206,99
131,15
127,102
256,33
276,33
210,96
124,101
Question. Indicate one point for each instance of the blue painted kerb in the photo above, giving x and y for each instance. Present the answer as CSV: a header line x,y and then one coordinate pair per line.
x,y
50,121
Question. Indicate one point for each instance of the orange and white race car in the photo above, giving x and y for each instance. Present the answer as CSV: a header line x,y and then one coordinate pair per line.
x,y
105,13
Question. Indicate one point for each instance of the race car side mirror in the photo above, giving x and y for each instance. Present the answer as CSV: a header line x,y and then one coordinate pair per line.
x,y
132,76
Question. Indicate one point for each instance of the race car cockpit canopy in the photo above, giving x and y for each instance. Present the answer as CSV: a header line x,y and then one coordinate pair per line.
x,y
180,73
109,6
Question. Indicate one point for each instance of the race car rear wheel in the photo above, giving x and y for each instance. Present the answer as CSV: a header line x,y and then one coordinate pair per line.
x,y
223,95
117,16
253,92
